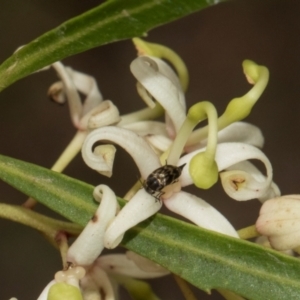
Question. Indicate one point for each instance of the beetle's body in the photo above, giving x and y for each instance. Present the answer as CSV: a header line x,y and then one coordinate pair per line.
x,y
160,178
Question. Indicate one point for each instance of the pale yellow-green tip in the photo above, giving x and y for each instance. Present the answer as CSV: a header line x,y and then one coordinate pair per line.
x,y
160,51
239,108
203,170
64,291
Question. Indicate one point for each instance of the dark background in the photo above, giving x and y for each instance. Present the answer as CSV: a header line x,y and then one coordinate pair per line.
x,y
213,43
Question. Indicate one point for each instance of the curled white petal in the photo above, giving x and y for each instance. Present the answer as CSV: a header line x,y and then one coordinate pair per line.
x,y
106,152
143,93
90,290
88,246
73,97
72,82
227,155
104,284
241,132
146,264
272,192
44,294
147,127
162,84
142,115
122,265
136,146
56,92
160,143
139,208
106,113
242,185
199,212
247,172
87,85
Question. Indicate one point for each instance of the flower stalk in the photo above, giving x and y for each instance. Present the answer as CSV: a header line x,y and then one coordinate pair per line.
x,y
50,227
248,232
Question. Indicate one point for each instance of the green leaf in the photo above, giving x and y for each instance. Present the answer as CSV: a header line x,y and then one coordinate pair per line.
x,y
204,258
111,21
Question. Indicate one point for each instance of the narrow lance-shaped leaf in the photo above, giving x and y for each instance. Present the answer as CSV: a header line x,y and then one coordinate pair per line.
x,y
204,258
111,21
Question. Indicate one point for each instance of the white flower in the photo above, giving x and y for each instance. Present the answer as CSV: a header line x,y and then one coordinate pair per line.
x,y
158,79
143,205
92,112
88,246
240,179
90,276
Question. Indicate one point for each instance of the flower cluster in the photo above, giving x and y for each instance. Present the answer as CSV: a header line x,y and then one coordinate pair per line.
x,y
170,155
224,146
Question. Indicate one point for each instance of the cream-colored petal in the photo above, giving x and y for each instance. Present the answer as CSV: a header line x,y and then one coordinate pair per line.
x,y
106,113
199,212
145,264
147,127
160,143
227,155
70,90
142,115
90,290
254,178
87,85
56,92
89,244
144,157
103,282
242,132
139,208
107,153
162,84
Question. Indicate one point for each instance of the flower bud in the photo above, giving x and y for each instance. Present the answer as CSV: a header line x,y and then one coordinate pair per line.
x,y
279,220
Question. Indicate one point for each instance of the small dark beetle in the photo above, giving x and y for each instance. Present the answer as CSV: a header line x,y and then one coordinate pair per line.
x,y
160,178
